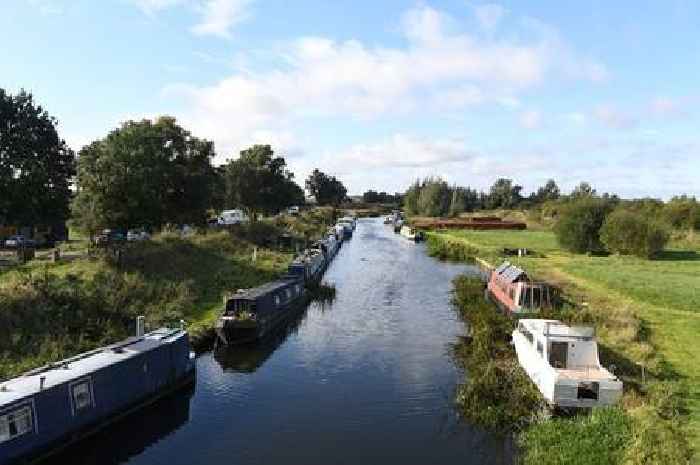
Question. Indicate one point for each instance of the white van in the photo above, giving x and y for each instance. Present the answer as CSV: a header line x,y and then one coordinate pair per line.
x,y
229,217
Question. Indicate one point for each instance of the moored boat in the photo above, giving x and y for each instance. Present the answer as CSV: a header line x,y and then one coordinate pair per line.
x,y
411,233
513,291
51,407
250,314
563,362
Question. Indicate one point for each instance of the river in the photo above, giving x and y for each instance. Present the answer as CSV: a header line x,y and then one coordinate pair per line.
x,y
366,379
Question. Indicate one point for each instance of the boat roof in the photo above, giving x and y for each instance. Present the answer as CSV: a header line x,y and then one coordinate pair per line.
x,y
510,273
264,289
79,366
555,328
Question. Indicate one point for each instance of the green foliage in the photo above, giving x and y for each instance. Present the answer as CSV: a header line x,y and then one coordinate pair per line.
x,y
145,173
327,190
504,194
434,198
445,249
36,165
629,233
683,212
548,192
259,182
598,439
578,227
372,196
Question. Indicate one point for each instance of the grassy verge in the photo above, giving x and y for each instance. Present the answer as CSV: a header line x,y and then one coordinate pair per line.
x,y
51,311
647,322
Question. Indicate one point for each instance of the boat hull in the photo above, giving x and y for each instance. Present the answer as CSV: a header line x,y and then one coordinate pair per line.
x,y
231,332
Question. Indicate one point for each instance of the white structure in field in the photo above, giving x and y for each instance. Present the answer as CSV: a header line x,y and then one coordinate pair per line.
x,y
563,363
229,217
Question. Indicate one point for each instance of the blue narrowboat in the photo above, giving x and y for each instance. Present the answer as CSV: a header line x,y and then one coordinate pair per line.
x,y
308,266
48,408
250,314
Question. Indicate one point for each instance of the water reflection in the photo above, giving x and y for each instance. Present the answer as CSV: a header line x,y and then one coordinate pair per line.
x,y
132,434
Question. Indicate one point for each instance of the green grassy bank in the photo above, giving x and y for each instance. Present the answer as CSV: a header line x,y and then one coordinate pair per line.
x,y
647,321
51,311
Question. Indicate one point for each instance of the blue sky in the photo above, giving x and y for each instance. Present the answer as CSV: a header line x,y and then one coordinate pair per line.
x,y
379,93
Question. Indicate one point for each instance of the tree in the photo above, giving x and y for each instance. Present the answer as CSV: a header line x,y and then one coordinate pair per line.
x,y
326,189
584,189
144,173
434,198
550,191
259,182
458,202
632,233
36,165
578,227
503,194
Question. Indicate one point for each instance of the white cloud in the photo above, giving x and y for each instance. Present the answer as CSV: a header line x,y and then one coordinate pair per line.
x,y
489,15
216,17
438,68
531,119
220,16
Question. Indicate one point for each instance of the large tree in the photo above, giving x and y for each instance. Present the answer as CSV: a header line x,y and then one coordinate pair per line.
x,y
36,165
503,194
145,173
327,190
259,182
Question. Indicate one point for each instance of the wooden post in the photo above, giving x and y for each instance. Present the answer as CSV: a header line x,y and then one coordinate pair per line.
x,y
255,253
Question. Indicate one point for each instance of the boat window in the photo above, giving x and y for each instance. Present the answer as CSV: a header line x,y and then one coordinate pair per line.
x,y
588,390
289,293
277,300
558,354
81,393
16,423
540,349
536,297
526,300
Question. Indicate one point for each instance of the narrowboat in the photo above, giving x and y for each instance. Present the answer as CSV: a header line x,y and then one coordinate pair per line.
x,y
411,233
349,219
50,407
308,267
347,228
513,291
250,314
563,363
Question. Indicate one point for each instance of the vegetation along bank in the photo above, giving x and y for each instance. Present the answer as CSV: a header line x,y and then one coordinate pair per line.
x,y
645,315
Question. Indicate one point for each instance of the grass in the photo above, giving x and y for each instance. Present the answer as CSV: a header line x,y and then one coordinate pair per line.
x,y
51,311
647,315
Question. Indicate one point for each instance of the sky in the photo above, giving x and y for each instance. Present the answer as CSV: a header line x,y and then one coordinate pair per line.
x,y
381,93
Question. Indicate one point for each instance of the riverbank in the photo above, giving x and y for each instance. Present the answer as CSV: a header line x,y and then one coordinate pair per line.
x,y
645,316
52,311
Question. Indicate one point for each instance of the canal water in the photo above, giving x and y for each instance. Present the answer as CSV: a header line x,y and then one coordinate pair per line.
x,y
367,378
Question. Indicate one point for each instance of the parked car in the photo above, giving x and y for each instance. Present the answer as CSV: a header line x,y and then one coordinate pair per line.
x,y
109,236
14,242
137,235
229,217
293,210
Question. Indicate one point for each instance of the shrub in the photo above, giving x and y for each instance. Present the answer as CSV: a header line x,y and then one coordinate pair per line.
x,y
578,227
631,233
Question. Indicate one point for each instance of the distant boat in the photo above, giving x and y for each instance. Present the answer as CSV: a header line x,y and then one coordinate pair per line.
x,y
51,407
514,292
411,233
563,362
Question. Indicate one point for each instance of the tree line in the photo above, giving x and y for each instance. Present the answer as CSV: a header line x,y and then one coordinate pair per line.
x,y
142,174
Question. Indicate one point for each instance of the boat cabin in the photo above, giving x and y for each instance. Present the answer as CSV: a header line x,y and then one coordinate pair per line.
x,y
263,300
563,361
514,292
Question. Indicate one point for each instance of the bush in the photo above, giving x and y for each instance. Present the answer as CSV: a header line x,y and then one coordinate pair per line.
x,y
630,233
578,227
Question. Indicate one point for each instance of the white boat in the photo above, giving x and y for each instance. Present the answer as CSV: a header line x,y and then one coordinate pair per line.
x,y
411,233
350,220
563,362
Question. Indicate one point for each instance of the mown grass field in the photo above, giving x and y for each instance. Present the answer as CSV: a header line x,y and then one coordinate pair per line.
x,y
648,312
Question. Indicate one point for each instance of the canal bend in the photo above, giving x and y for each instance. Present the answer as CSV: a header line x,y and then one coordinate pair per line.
x,y
367,378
